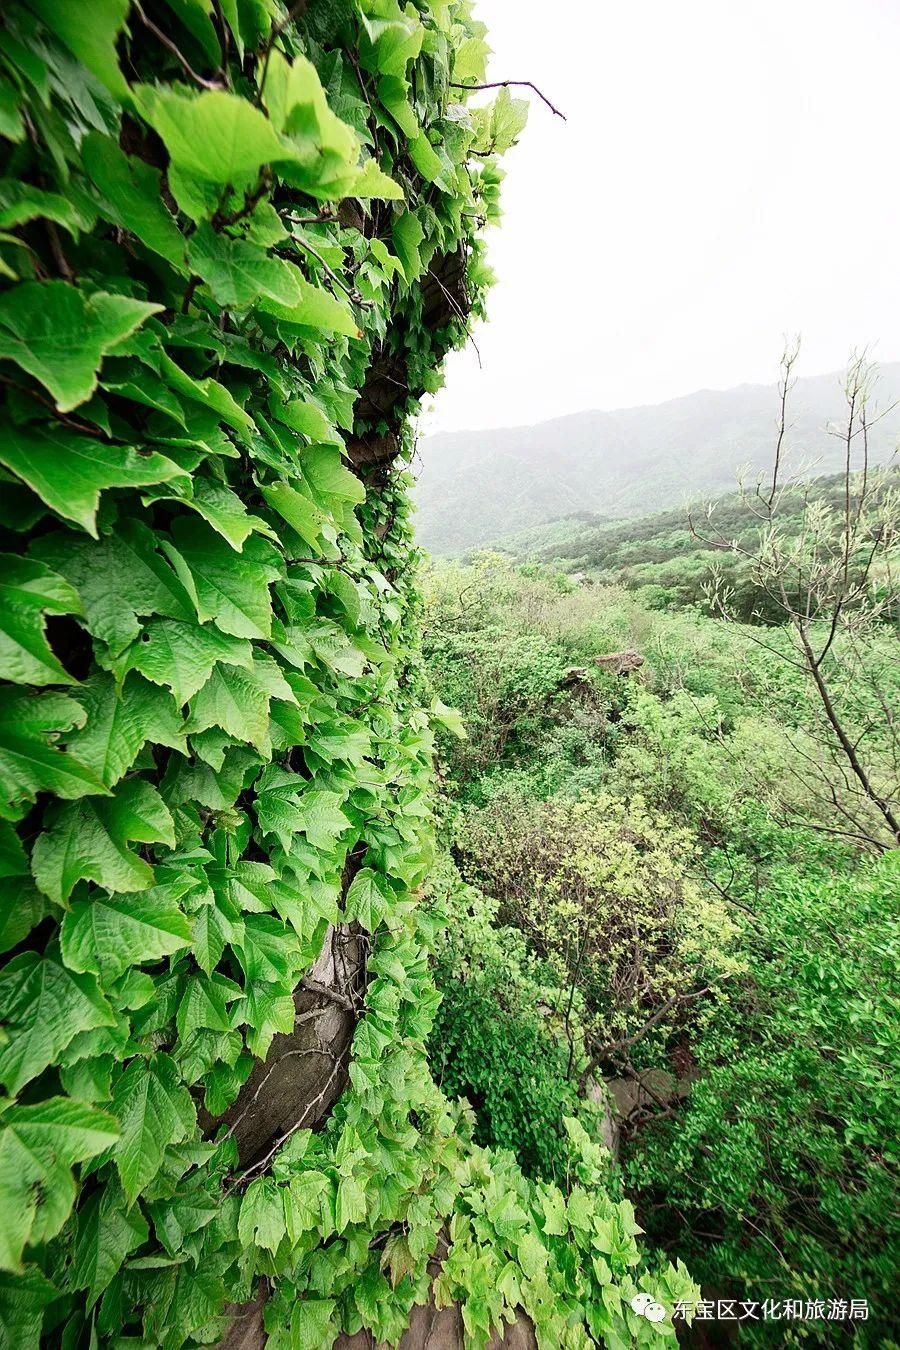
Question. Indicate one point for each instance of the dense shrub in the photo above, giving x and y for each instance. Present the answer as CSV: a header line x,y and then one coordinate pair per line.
x,y
602,890
500,1037
783,1171
509,685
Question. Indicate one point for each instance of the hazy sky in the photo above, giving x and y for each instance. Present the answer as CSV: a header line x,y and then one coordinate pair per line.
x,y
728,173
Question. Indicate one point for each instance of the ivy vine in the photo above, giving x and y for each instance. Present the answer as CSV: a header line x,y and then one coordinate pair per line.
x,y
235,244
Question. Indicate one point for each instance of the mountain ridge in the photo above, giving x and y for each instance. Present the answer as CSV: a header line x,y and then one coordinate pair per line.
x,y
475,487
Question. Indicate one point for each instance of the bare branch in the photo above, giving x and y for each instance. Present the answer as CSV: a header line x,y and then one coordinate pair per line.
x,y
512,84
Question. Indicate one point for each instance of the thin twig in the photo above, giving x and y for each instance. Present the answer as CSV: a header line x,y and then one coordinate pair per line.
x,y
189,293
62,417
251,201
290,1054
459,312
512,84
325,215
788,362
325,991
282,1139
353,296
224,40
56,248
179,56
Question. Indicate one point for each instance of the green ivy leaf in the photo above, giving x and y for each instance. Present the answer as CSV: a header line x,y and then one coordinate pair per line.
x,y
182,656
286,806
553,1205
89,1079
68,472
261,1222
396,39
316,308
306,906
212,930
502,123
90,35
234,700
132,194
12,124
532,1254
328,475
119,578
28,591
300,513
268,1012
348,594
427,160
217,137
448,717
368,900
21,203
89,840
30,762
339,742
371,181
13,862
108,934
408,235
328,643
205,1004
43,1007
154,1110
470,60
267,951
38,1146
239,274
312,1321
118,723
22,907
350,1205
23,1298
581,1215
301,415
60,336
107,1231
218,505
298,106
209,393
232,589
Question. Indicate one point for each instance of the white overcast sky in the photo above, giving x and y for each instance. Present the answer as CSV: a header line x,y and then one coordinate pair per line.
x,y
728,173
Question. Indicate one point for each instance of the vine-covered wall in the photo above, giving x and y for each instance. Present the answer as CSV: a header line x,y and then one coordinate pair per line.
x,y
235,244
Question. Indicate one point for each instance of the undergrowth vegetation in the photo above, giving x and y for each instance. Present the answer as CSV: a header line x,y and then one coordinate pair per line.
x,y
680,892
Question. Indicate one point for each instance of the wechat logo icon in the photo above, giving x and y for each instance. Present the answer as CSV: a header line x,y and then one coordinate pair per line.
x,y
646,1306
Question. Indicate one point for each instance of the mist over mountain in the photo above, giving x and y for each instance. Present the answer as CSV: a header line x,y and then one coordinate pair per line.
x,y
475,487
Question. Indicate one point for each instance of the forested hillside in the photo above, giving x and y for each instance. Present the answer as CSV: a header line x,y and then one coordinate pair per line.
x,y
236,242
679,557
477,487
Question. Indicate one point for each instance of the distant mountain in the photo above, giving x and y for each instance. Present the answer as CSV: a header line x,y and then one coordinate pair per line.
x,y
476,487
